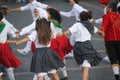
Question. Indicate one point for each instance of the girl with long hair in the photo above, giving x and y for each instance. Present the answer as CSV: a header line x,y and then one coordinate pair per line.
x,y
44,60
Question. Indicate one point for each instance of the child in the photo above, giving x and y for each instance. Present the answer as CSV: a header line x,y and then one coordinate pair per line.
x,y
110,30
44,59
4,9
83,50
31,6
75,11
7,57
38,13
61,44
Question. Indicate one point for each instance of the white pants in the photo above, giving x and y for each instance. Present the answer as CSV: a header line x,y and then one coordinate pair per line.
x,y
27,48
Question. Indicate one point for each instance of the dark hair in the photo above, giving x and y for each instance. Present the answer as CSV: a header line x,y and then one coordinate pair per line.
x,y
1,16
84,16
55,15
113,6
76,1
43,30
4,9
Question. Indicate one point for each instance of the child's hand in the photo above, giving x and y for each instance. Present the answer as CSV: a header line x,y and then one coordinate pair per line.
x,y
17,35
100,32
59,34
92,22
17,32
17,43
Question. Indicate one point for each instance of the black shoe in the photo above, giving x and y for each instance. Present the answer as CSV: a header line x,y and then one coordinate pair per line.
x,y
64,78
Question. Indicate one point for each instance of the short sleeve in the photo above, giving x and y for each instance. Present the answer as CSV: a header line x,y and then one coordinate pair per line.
x,y
74,28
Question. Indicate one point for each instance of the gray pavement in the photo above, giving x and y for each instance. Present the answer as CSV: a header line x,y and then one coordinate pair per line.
x,y
21,19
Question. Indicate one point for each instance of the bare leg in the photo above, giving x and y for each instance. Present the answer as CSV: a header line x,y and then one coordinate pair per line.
x,y
0,78
55,76
40,78
85,73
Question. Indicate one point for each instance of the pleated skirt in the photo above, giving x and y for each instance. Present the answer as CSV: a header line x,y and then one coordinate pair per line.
x,y
44,60
7,58
85,51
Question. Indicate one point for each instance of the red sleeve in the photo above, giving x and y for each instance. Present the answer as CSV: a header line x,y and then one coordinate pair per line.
x,y
105,23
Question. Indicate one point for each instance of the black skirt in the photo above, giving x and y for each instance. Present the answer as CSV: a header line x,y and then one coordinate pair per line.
x,y
44,60
85,51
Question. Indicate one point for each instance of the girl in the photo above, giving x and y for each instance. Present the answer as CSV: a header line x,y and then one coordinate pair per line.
x,y
31,6
38,13
4,9
7,57
83,50
44,59
75,11
61,44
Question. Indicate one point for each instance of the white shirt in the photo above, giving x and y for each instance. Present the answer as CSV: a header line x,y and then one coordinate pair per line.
x,y
32,6
81,33
7,22
7,30
28,29
99,21
42,13
33,37
76,10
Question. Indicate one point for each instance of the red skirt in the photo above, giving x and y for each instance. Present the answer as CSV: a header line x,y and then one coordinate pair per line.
x,y
7,58
33,47
61,45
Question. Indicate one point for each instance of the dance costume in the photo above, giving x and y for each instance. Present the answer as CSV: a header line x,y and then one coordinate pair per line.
x,y
44,59
83,49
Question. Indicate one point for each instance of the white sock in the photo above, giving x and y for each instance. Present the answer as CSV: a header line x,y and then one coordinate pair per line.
x,y
115,69
10,73
46,77
27,48
35,77
64,71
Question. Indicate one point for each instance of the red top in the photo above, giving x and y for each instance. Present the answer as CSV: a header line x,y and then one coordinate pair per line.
x,y
111,26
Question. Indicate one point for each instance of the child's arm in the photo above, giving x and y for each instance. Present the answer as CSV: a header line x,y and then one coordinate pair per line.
x,y
65,33
10,41
100,32
22,41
